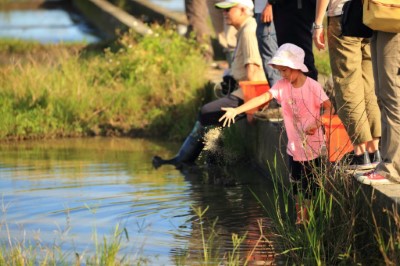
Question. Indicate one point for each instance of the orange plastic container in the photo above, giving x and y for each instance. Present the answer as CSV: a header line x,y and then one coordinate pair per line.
x,y
338,142
253,89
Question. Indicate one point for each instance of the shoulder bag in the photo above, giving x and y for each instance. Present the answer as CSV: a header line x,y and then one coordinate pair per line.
x,y
383,15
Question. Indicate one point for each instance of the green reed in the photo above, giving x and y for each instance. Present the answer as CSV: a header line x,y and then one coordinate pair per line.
x,y
342,227
148,85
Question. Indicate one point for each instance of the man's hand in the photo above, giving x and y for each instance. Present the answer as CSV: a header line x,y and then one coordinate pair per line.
x,y
229,116
266,15
319,38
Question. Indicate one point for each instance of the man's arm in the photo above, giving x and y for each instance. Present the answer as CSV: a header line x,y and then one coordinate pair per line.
x,y
318,35
266,15
251,70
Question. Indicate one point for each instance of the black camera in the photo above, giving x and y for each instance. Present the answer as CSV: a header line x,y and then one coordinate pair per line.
x,y
228,85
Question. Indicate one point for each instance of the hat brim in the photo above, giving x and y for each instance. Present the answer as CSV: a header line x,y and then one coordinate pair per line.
x,y
225,5
276,62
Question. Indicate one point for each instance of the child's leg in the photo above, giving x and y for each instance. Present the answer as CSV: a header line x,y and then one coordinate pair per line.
x,y
305,185
296,172
302,208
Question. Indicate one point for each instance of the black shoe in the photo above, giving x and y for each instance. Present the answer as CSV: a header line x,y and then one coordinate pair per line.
x,y
157,161
375,157
360,162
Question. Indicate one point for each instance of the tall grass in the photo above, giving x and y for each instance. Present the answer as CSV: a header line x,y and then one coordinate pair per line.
x,y
143,85
342,228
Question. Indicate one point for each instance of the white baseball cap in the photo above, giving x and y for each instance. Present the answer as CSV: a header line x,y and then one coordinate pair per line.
x,y
231,3
289,55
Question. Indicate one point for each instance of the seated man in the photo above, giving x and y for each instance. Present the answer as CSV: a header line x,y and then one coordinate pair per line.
x,y
246,66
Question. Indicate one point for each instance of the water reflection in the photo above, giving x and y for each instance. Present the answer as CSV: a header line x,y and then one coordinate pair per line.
x,y
172,5
66,189
46,26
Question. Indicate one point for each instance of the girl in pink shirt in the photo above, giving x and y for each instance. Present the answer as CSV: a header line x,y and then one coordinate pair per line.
x,y
301,99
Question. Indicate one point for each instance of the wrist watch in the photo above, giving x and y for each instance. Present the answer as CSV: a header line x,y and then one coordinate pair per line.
x,y
316,26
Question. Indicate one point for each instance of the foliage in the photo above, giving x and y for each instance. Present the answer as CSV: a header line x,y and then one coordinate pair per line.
x,y
340,230
138,85
322,62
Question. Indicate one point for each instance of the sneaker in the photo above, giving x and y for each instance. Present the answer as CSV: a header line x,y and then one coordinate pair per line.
x,y
375,157
372,178
360,162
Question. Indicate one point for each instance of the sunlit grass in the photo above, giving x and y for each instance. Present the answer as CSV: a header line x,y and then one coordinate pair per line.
x,y
342,227
322,62
149,85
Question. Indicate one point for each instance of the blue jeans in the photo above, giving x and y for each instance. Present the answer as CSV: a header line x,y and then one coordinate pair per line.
x,y
293,23
267,44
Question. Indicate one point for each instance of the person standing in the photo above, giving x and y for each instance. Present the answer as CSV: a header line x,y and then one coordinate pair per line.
x,y
226,34
293,24
196,13
385,49
357,106
266,37
246,66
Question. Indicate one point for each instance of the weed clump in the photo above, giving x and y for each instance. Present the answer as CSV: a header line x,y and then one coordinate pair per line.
x,y
150,85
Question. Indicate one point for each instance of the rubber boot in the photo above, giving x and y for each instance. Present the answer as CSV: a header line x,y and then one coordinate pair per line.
x,y
189,151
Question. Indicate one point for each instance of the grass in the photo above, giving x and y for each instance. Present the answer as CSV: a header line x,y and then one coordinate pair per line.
x,y
341,229
107,252
136,86
322,62
149,85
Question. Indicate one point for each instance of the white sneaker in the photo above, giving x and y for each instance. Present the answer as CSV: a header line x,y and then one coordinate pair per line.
x,y
372,178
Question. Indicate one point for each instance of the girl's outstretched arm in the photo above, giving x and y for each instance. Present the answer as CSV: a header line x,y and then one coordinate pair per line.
x,y
230,113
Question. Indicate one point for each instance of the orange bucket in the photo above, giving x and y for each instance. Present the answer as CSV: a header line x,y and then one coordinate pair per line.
x,y
253,89
338,142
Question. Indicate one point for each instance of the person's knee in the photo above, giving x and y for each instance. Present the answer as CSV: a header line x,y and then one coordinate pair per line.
x,y
203,114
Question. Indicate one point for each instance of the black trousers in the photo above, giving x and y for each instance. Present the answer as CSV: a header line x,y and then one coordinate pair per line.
x,y
303,176
211,112
293,24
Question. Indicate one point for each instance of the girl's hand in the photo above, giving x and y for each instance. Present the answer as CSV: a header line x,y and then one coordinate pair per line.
x,y
310,130
229,116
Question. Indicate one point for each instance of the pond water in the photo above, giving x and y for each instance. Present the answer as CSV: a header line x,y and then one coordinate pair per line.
x,y
58,24
53,25
68,192
174,5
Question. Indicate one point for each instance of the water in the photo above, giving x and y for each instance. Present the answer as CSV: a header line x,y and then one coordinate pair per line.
x,y
173,5
56,25
68,191
47,26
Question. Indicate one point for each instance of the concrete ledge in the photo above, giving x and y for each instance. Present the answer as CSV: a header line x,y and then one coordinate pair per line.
x,y
109,18
154,13
266,144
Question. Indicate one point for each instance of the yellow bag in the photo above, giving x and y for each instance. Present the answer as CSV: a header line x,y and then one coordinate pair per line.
x,y
383,15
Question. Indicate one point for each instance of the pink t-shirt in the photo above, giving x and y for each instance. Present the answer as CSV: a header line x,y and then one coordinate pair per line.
x,y
301,107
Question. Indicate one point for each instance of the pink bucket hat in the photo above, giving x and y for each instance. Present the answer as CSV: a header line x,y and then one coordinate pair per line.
x,y
289,55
